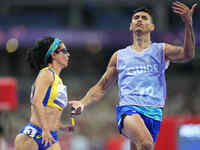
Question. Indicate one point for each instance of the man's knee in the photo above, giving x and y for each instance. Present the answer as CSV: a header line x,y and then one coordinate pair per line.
x,y
147,145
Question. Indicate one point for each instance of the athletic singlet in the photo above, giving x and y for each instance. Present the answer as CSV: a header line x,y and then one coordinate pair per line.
x,y
56,94
141,76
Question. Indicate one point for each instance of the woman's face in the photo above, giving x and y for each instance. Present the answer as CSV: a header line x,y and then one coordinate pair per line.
x,y
61,55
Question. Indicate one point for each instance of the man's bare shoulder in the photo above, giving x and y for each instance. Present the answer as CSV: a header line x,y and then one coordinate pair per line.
x,y
113,59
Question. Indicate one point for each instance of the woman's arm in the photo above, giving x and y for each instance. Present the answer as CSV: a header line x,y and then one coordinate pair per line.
x,y
42,83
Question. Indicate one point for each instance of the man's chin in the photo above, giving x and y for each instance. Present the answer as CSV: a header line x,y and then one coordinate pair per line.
x,y
139,30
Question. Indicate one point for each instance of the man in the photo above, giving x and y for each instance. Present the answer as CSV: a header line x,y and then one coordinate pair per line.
x,y
140,71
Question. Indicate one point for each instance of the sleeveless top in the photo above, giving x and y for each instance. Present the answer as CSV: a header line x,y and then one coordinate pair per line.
x,y
56,94
141,76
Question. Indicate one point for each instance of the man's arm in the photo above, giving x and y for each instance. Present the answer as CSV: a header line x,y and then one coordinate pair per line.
x,y
177,53
98,90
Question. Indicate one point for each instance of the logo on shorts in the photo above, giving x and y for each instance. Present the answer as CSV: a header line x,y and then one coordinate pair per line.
x,y
38,136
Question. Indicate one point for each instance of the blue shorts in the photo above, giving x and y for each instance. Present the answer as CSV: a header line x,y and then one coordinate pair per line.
x,y
36,133
152,125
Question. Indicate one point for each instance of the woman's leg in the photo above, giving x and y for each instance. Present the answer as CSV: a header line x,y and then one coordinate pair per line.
x,y
24,142
55,146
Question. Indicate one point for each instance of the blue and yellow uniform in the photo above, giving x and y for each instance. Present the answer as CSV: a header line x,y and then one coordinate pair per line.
x,y
56,96
35,132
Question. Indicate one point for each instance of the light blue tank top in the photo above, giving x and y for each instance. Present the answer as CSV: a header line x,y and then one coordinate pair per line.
x,y
141,76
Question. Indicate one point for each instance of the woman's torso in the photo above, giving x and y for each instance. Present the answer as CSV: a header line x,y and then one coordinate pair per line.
x,y
54,102
52,115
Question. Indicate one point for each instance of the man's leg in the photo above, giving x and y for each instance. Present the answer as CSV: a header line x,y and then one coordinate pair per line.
x,y
135,129
133,146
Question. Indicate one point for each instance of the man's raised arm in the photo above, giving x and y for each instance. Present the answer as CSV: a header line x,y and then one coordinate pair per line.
x,y
177,53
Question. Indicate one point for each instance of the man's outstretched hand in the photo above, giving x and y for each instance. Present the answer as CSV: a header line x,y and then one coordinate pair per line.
x,y
184,11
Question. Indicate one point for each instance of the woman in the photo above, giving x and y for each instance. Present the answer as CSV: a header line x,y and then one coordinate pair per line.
x,y
48,97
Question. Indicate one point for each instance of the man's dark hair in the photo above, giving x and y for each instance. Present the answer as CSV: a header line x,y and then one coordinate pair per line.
x,y
144,9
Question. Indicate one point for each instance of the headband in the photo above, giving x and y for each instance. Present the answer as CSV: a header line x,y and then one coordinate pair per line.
x,y
52,49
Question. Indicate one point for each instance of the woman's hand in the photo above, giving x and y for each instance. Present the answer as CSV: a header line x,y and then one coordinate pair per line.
x,y
77,107
67,128
47,137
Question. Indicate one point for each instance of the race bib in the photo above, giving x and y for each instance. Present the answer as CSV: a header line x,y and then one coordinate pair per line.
x,y
30,131
62,95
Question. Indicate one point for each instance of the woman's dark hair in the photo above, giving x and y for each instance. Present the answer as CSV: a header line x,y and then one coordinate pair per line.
x,y
35,56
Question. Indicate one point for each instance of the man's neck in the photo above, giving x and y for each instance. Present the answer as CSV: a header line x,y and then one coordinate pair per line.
x,y
141,42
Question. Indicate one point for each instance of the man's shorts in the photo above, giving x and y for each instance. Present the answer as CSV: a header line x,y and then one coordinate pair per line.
x,y
152,125
36,133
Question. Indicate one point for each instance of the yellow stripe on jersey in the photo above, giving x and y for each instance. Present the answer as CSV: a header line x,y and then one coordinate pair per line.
x,y
56,95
